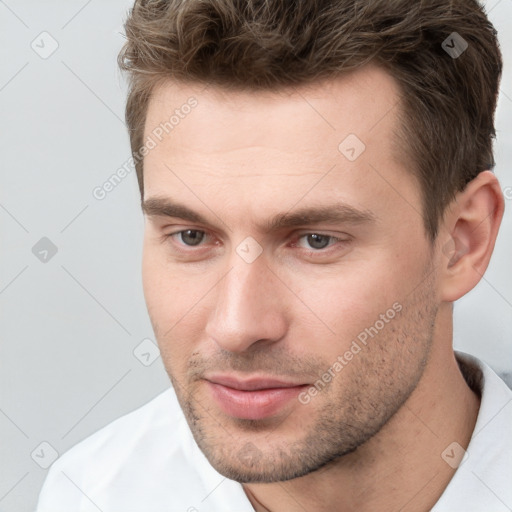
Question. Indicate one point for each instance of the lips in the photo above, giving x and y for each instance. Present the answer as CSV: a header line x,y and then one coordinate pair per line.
x,y
254,398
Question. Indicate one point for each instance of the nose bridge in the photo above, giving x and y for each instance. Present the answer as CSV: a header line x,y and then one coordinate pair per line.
x,y
247,309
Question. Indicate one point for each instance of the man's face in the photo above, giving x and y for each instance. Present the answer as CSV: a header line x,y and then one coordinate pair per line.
x,y
253,304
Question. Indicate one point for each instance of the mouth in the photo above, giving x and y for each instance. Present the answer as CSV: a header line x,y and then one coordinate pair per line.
x,y
254,398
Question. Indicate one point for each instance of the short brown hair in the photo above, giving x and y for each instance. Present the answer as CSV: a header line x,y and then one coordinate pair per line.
x,y
448,100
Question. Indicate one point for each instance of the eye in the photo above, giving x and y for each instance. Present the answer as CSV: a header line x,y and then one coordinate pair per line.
x,y
190,237
316,240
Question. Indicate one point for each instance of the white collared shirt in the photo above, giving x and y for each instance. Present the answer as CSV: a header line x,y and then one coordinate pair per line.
x,y
148,461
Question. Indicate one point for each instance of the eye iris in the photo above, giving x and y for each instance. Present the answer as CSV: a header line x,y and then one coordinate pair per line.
x,y
318,241
192,236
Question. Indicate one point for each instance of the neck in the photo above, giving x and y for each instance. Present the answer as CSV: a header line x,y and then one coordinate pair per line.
x,y
401,467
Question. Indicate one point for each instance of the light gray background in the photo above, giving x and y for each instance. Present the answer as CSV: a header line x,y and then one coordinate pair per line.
x,y
68,327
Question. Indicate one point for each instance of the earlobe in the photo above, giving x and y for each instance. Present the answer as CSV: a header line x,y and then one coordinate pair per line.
x,y
471,228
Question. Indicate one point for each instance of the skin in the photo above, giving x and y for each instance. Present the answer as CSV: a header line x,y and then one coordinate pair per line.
x,y
372,438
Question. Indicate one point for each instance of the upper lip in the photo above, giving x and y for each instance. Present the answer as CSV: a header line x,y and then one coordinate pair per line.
x,y
251,383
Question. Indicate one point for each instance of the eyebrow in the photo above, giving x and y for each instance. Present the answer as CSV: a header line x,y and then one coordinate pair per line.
x,y
337,213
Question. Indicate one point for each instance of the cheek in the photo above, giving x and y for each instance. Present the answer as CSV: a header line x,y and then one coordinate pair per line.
x,y
168,291
353,297
154,282
176,304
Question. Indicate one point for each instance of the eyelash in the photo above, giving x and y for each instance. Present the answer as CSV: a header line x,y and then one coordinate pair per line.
x,y
311,251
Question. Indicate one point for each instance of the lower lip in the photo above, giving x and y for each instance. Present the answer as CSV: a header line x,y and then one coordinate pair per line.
x,y
252,405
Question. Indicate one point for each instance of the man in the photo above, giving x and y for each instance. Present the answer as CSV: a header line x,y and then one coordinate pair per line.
x,y
317,187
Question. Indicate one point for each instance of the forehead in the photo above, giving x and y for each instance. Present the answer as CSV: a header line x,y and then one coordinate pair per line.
x,y
264,150
361,103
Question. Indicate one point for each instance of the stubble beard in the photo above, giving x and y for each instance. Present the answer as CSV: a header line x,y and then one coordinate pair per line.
x,y
346,414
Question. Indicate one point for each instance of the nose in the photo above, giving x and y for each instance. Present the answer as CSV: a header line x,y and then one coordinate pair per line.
x,y
249,307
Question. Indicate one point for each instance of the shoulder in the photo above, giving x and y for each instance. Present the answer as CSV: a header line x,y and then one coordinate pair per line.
x,y
109,443
115,456
483,478
145,460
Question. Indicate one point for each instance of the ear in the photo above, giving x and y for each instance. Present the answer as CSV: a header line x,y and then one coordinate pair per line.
x,y
470,228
